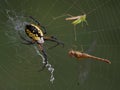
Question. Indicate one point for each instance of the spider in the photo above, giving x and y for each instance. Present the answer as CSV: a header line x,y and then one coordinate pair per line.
x,y
36,32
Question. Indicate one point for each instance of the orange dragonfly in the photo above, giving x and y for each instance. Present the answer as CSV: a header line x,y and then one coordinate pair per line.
x,y
79,55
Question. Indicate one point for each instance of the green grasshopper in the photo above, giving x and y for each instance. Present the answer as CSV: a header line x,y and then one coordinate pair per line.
x,y
77,20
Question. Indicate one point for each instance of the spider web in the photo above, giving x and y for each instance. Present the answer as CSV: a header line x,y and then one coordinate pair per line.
x,y
21,61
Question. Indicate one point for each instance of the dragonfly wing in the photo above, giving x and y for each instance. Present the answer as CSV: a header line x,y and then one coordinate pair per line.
x,y
85,67
92,46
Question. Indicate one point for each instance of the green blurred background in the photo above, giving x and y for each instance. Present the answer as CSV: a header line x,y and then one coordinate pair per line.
x,y
19,64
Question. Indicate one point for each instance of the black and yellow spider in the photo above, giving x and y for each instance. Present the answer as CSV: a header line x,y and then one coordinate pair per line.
x,y
36,32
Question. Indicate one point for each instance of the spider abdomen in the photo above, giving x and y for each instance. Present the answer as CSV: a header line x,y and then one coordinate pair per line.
x,y
33,32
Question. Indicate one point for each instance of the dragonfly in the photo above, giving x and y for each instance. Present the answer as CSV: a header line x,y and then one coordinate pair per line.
x,y
84,66
82,55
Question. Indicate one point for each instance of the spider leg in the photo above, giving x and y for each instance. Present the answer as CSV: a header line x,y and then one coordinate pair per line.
x,y
36,21
44,55
53,39
43,29
27,42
